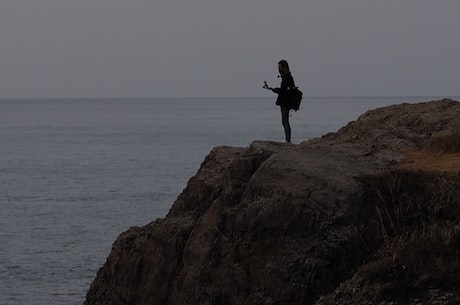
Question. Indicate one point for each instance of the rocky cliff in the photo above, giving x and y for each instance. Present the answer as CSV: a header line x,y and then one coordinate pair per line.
x,y
366,215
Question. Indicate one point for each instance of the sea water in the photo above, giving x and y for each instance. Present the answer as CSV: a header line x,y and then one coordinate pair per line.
x,y
76,173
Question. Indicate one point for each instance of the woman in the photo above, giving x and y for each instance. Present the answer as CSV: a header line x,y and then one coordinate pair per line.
x,y
284,99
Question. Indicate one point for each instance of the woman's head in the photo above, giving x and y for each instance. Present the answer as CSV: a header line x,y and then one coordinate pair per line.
x,y
283,66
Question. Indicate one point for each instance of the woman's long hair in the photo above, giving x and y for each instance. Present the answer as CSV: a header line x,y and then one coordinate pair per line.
x,y
284,63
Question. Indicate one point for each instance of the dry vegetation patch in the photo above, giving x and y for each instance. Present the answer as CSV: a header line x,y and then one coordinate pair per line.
x,y
430,161
418,221
441,153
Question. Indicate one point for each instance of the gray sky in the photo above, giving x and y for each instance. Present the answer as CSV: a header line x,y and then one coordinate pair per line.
x,y
208,48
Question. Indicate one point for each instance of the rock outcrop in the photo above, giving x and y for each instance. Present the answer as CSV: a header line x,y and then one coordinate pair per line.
x,y
343,219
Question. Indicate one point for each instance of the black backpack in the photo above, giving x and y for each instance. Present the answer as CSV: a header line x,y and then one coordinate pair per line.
x,y
295,98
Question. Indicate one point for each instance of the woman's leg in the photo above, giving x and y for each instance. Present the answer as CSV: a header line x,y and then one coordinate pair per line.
x,y
285,121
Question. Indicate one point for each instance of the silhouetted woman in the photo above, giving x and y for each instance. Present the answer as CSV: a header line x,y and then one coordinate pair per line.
x,y
284,96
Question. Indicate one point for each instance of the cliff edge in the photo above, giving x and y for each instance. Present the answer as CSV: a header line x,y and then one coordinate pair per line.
x,y
367,215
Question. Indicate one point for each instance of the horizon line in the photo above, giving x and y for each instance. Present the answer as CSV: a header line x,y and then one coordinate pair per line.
x,y
225,97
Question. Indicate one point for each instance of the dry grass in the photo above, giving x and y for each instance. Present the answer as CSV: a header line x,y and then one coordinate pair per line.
x,y
425,258
417,223
404,201
426,160
446,141
441,153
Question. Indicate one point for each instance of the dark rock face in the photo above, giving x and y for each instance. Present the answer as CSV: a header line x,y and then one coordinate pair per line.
x,y
293,224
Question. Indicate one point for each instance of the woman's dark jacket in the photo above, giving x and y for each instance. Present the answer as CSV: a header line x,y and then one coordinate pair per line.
x,y
285,91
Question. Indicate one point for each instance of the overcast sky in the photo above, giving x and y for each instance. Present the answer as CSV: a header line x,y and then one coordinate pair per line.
x,y
214,48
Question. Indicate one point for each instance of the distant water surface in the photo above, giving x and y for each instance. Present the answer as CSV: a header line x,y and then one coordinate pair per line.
x,y
74,174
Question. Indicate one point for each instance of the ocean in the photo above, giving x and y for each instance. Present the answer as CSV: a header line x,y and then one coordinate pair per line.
x,y
75,173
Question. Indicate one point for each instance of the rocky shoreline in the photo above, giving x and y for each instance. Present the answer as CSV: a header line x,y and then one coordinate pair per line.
x,y
350,218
